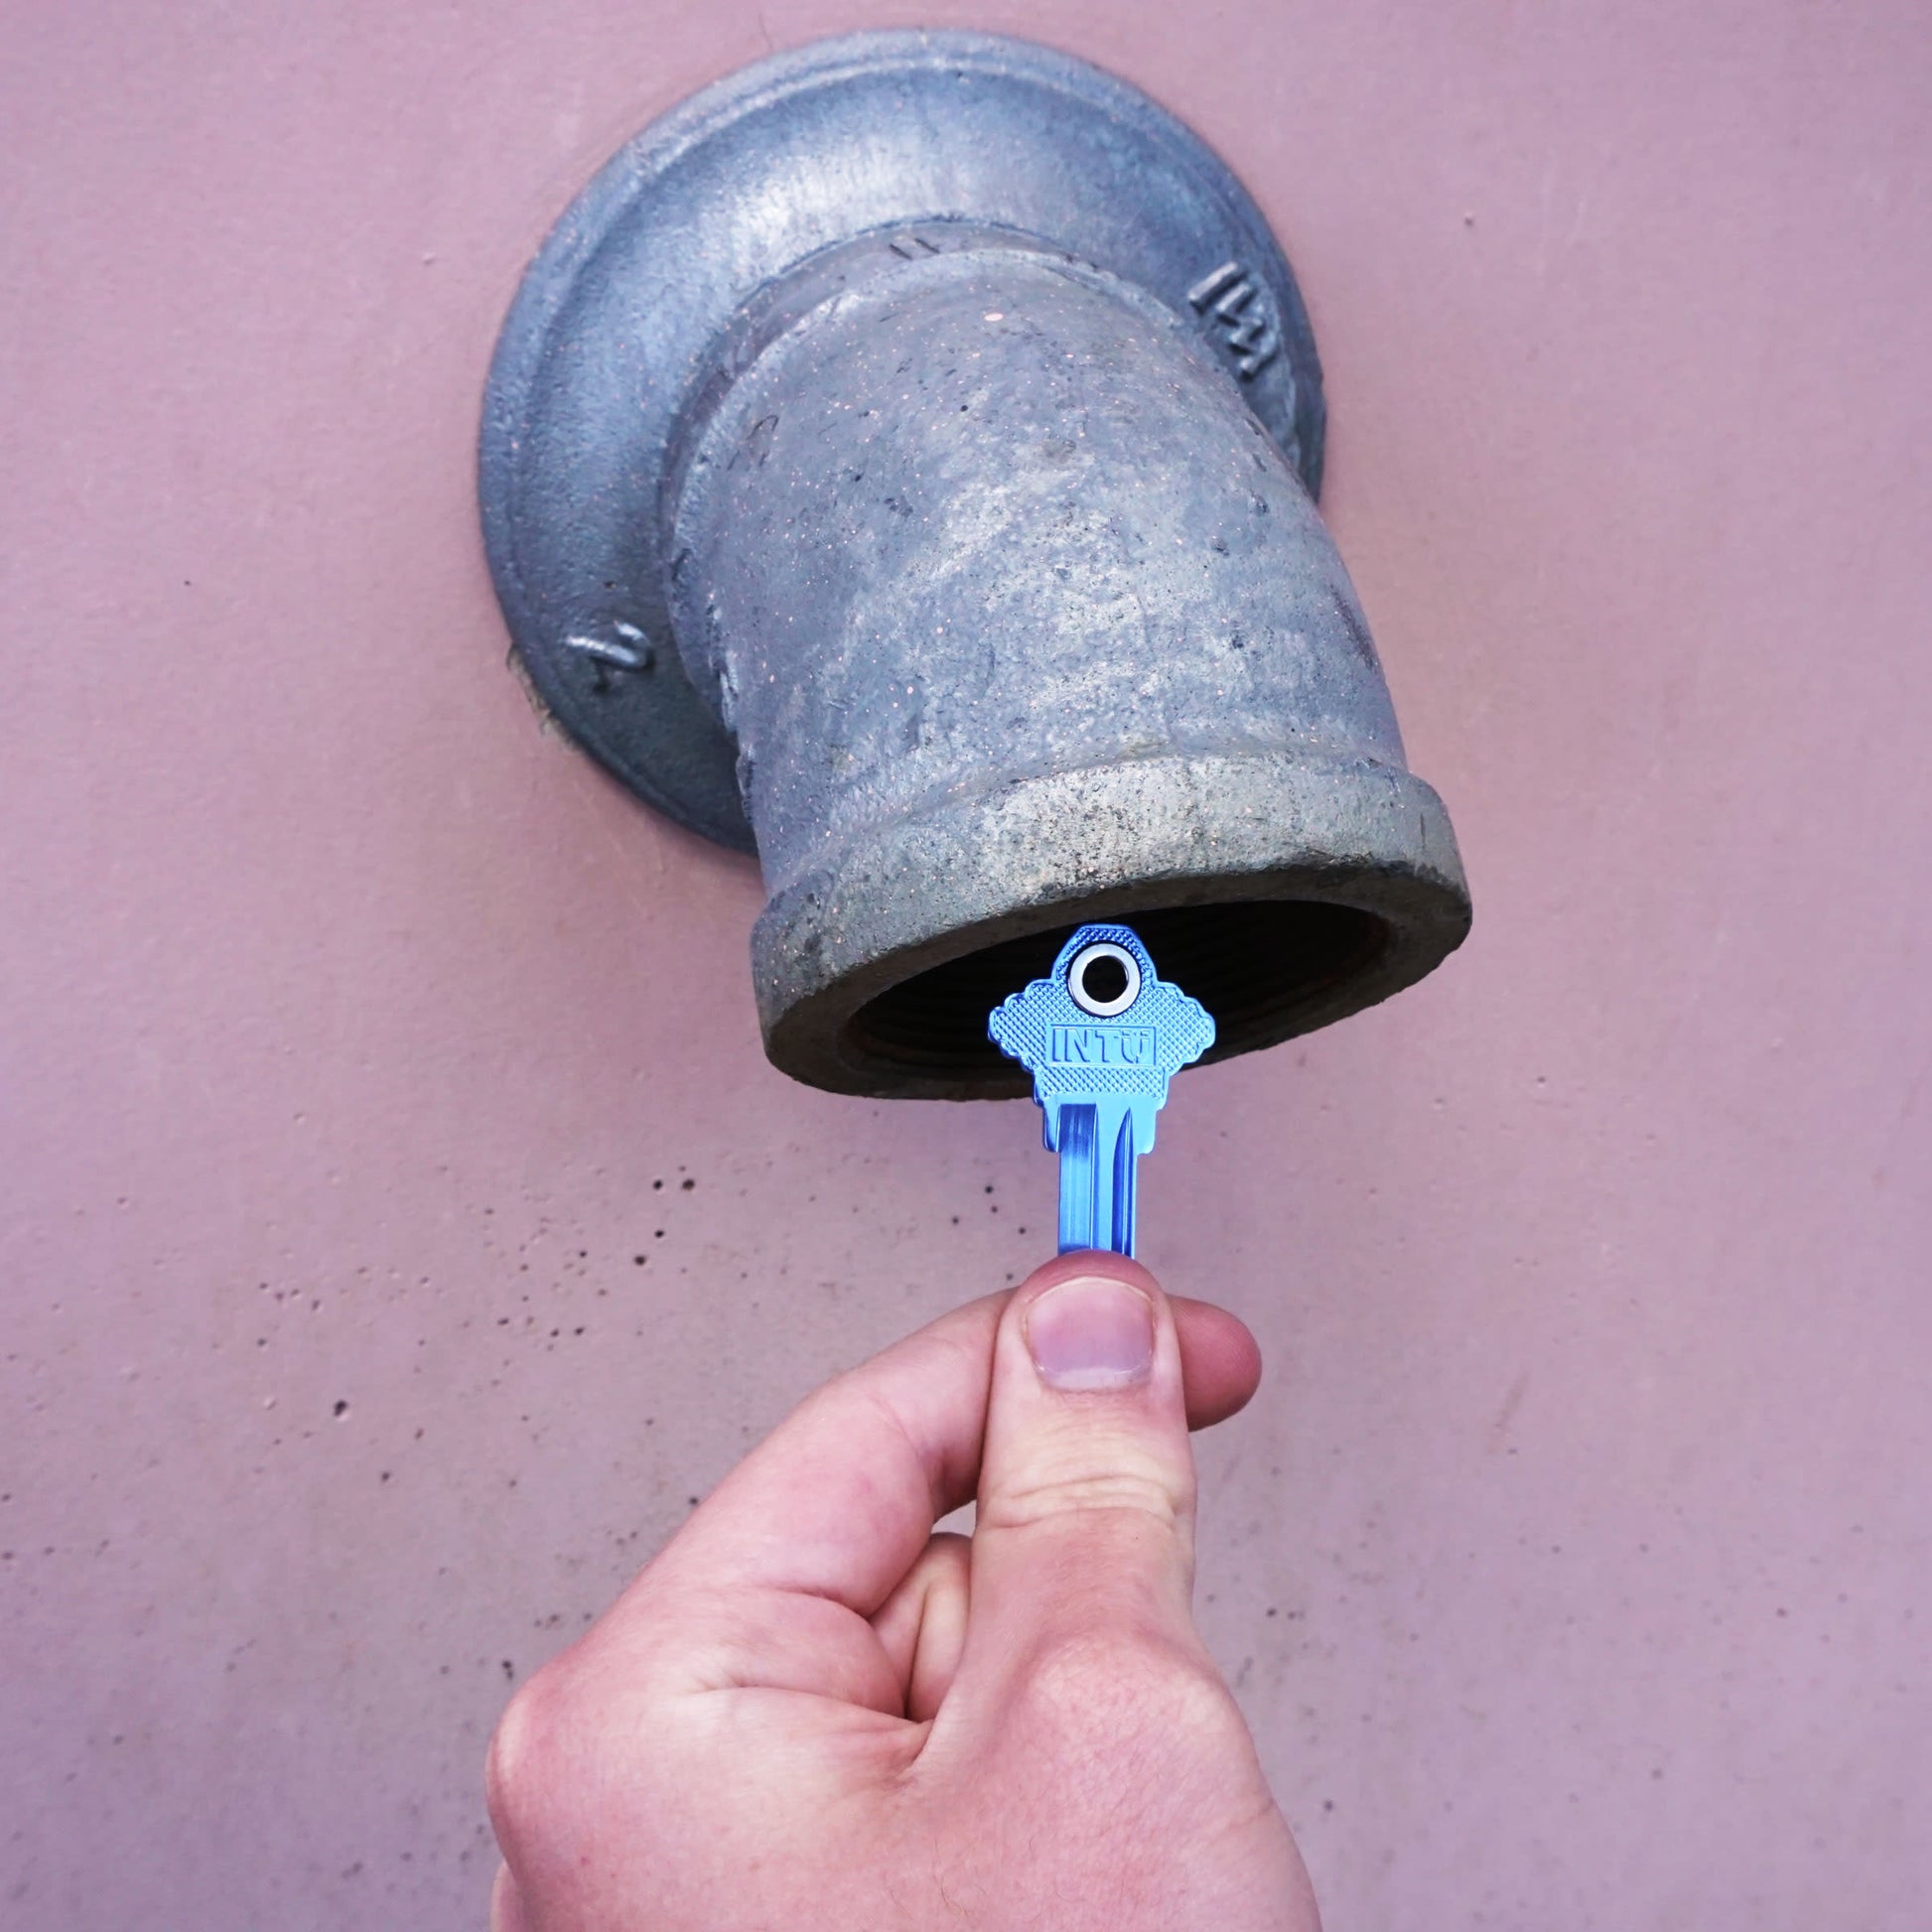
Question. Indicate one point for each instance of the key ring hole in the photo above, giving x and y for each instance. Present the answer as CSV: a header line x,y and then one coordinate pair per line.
x,y
1104,979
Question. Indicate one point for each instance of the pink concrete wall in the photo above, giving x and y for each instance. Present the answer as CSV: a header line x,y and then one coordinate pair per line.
x,y
400,1224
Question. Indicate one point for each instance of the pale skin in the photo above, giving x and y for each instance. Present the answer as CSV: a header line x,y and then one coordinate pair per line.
x,y
810,1710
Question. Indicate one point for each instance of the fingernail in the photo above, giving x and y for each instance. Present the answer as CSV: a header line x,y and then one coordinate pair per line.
x,y
1091,1333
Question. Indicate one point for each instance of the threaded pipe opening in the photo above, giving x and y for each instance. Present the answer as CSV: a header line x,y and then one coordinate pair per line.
x,y
1251,963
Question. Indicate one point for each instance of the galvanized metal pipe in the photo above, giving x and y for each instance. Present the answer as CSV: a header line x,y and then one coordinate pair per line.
x,y
979,559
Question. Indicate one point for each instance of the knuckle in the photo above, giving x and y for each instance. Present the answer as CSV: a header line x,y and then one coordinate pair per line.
x,y
533,1741
1115,1687
1056,1491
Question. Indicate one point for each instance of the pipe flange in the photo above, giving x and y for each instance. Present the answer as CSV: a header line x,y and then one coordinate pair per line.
x,y
631,307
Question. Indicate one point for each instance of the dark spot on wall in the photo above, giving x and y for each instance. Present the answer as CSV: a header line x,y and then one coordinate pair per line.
x,y
687,1184
342,1408
509,1670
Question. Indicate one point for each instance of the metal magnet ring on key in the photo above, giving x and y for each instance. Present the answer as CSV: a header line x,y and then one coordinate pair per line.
x,y
1076,980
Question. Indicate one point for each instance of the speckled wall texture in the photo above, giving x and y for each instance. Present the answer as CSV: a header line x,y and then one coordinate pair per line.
x,y
402,1226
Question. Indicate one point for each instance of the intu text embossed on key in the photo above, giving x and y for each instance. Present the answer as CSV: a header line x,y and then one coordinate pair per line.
x,y
1101,1034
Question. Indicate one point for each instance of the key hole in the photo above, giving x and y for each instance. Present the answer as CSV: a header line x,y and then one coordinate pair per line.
x,y
1104,979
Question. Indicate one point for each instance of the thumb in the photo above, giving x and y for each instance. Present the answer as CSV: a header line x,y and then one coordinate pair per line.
x,y
1086,1500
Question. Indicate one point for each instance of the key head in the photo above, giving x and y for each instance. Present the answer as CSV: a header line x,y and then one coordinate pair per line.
x,y
1102,1024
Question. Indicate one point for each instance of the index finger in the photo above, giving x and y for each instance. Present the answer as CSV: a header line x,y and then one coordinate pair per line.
x,y
838,1501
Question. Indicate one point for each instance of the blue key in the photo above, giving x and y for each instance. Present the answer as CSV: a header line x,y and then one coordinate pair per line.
x,y
1101,1035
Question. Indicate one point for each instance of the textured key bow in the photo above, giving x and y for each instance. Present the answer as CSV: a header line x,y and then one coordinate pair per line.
x,y
1101,1034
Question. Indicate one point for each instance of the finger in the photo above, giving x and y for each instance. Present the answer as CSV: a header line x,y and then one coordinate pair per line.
x,y
840,1499
1220,1360
506,1912
772,1578
922,1626
1086,1497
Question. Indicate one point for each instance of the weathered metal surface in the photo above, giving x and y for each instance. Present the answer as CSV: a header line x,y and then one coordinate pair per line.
x,y
900,460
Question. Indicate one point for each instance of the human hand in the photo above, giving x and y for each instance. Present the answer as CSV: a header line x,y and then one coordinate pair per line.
x,y
811,1711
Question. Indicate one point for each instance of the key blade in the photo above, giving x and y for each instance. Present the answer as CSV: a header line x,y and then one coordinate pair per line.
x,y
1126,1160
1079,1205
